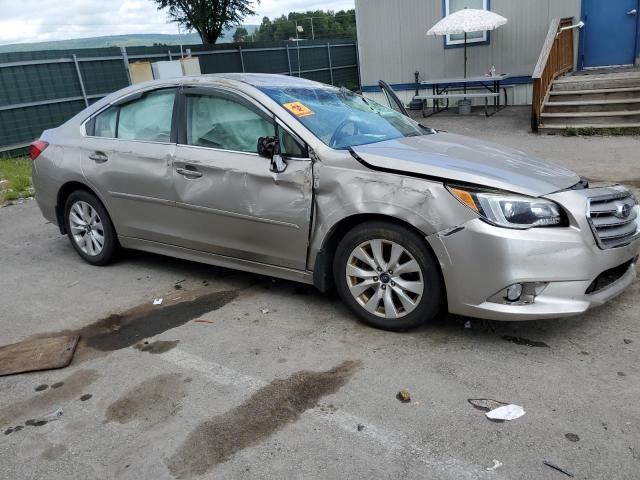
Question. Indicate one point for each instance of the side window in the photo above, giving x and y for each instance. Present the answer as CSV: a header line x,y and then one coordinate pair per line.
x,y
105,123
219,122
148,118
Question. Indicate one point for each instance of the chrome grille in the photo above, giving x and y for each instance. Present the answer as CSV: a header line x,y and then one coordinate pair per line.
x,y
614,219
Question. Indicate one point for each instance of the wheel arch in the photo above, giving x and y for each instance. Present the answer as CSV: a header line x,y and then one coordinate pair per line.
x,y
323,266
63,194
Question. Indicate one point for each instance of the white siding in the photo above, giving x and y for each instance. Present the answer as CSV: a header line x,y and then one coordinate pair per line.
x,y
392,40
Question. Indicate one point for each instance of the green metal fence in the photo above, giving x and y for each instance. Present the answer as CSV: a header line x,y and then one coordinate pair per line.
x,y
40,90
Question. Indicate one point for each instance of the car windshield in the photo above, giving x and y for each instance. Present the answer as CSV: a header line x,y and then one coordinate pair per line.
x,y
343,119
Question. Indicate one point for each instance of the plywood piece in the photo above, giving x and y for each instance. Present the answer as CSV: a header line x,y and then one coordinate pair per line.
x,y
140,72
37,354
167,69
191,66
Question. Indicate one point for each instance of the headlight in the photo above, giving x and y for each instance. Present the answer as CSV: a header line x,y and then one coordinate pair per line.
x,y
511,211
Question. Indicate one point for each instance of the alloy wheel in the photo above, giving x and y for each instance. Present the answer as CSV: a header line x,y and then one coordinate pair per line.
x,y
86,228
384,278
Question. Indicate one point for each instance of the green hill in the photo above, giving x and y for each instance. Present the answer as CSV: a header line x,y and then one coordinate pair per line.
x,y
137,40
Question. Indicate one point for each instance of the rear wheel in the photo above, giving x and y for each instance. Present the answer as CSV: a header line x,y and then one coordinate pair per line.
x,y
90,229
388,276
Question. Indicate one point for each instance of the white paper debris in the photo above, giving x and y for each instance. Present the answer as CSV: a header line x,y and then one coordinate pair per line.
x,y
49,417
496,465
467,324
507,412
157,301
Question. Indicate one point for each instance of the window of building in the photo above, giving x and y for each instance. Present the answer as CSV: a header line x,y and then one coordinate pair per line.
x,y
474,38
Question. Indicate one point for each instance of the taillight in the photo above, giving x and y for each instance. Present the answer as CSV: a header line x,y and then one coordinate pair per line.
x,y
36,148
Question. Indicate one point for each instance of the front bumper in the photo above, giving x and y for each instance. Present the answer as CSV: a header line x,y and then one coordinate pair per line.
x,y
480,260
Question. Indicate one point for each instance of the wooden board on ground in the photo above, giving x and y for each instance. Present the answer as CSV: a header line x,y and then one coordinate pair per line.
x,y
37,354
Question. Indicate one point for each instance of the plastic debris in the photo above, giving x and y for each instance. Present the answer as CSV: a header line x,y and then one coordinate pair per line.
x,y
158,301
467,324
265,310
572,437
404,396
555,467
360,427
507,412
628,341
49,417
496,465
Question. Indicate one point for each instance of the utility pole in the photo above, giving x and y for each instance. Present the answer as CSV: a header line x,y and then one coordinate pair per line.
x,y
313,35
298,46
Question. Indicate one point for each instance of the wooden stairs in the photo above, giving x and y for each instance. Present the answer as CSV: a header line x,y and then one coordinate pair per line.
x,y
600,100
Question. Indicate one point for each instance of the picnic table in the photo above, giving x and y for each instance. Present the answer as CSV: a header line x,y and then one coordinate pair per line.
x,y
487,87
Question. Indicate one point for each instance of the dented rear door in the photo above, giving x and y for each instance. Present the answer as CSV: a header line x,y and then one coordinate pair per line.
x,y
229,202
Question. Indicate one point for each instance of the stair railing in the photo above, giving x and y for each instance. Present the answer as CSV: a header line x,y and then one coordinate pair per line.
x,y
556,58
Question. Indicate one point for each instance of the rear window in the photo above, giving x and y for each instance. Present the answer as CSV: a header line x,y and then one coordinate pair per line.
x,y
148,119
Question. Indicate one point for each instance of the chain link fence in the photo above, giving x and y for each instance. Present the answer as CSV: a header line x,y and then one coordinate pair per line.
x,y
41,90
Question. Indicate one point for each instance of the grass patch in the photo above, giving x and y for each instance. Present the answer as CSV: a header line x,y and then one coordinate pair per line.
x,y
17,174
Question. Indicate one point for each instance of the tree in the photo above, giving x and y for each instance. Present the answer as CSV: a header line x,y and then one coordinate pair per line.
x,y
241,35
316,24
207,17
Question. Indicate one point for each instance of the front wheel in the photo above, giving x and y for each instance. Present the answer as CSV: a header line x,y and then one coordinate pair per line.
x,y
388,276
90,229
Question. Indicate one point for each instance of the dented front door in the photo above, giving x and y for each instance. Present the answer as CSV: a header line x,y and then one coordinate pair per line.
x,y
230,204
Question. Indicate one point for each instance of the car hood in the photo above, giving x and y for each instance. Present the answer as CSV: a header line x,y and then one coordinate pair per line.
x,y
454,157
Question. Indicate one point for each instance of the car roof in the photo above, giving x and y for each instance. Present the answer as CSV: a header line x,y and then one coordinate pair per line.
x,y
239,81
265,79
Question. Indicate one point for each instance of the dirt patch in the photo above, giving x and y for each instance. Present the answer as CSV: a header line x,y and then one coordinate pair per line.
x,y
485,404
54,452
156,347
525,341
151,402
268,410
44,402
123,330
572,437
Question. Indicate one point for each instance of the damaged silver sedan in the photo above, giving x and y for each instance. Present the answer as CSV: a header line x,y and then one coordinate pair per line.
x,y
290,178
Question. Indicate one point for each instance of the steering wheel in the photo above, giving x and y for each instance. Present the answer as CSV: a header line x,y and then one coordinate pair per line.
x,y
338,135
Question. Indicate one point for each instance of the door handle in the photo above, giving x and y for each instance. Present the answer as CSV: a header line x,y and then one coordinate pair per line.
x,y
632,12
98,157
186,172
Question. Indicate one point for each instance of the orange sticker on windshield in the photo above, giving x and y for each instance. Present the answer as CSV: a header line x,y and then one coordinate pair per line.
x,y
298,109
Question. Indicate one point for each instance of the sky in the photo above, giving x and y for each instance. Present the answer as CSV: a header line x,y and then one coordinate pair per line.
x,y
46,20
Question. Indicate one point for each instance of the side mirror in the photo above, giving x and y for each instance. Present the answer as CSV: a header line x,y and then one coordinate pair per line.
x,y
269,147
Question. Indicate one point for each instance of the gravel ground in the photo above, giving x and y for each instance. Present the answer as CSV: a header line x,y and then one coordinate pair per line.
x,y
242,376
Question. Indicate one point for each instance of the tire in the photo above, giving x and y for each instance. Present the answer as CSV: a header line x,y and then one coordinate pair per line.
x,y
396,300
87,221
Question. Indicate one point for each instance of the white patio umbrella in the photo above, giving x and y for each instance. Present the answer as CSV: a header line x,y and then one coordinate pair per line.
x,y
465,21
